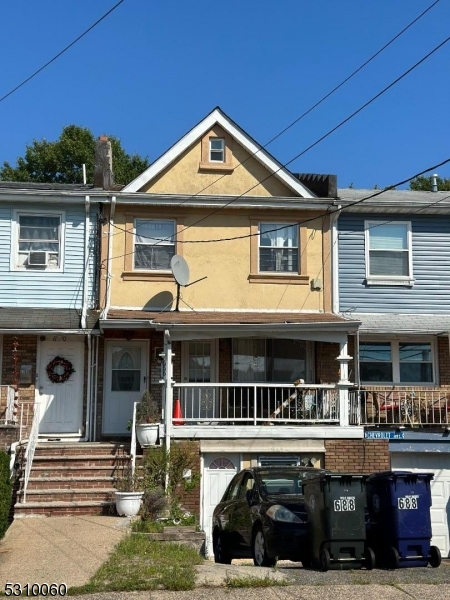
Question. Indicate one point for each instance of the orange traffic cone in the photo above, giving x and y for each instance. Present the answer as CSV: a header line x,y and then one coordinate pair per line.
x,y
177,414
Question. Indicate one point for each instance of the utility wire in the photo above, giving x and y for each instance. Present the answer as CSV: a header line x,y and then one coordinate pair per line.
x,y
319,102
62,51
298,223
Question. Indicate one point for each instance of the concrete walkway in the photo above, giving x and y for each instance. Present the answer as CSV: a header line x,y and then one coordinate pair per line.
x,y
58,549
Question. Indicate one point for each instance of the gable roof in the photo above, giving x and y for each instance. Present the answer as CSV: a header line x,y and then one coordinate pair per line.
x,y
217,116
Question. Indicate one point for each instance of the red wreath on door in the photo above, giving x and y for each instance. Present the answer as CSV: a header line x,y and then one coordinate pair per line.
x,y
59,377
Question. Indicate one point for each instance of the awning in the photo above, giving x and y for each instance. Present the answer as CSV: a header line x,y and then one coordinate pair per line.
x,y
391,323
16,320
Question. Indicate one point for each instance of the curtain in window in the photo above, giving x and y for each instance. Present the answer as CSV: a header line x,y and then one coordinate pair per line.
x,y
389,250
154,244
278,247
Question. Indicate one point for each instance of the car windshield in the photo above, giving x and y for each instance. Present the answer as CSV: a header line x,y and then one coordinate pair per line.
x,y
282,482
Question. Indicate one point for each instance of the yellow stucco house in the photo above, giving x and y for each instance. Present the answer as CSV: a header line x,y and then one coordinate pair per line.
x,y
216,290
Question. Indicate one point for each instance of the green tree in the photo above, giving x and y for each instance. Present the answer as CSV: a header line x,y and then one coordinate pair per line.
x,y
61,161
423,184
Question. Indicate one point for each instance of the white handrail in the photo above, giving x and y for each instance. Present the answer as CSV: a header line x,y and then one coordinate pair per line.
x,y
31,447
133,439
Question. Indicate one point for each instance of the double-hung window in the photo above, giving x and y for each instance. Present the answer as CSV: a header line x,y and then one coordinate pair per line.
x,y
388,253
216,150
400,362
38,241
278,248
154,244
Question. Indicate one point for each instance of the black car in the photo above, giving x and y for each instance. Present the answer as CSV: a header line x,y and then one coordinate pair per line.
x,y
262,515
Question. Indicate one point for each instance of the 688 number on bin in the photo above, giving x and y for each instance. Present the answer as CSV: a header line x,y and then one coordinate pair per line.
x,y
345,504
408,503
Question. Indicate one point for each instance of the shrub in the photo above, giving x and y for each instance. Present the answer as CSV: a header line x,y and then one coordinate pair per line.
x,y
5,492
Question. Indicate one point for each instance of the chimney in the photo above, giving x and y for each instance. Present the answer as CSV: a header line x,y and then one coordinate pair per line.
x,y
434,185
103,173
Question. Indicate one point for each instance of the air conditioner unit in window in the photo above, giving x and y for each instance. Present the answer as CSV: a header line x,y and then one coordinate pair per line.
x,y
37,259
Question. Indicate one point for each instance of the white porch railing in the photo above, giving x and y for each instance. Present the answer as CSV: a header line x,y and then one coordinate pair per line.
x,y
31,447
407,407
7,416
256,403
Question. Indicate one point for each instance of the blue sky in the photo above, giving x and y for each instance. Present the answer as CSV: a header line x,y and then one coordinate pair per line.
x,y
154,68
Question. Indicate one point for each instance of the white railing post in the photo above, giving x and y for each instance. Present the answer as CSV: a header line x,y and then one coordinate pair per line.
x,y
31,447
343,385
133,440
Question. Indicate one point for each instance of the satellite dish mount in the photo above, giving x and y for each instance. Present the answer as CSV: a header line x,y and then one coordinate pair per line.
x,y
180,271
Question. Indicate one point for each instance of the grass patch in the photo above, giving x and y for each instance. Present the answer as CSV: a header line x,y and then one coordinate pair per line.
x,y
138,564
147,526
252,582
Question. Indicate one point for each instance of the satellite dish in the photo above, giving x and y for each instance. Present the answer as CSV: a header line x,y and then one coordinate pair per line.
x,y
180,270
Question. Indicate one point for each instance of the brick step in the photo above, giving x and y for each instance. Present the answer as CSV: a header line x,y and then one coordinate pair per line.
x,y
91,483
63,509
83,449
75,472
80,461
68,495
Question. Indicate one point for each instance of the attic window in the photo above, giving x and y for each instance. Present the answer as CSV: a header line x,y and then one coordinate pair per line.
x,y
217,150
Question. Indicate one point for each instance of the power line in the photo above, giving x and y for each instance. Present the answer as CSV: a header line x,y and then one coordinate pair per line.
x,y
319,102
298,223
62,51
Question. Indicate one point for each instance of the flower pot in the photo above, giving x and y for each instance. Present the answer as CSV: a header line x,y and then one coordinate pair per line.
x,y
147,433
128,503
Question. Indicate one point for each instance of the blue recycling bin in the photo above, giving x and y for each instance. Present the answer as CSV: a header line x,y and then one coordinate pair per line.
x,y
399,531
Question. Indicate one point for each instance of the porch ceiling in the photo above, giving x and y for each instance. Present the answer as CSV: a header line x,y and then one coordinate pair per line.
x,y
185,325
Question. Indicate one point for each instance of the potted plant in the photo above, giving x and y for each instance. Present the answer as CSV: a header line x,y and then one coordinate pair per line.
x,y
128,494
148,417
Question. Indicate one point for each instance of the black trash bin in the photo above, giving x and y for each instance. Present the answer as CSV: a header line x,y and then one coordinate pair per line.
x,y
336,509
399,505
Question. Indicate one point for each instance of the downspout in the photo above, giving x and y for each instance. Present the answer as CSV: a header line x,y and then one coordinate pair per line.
x,y
335,260
94,424
86,262
84,309
168,383
109,263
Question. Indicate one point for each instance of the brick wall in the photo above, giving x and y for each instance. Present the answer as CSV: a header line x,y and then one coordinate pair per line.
x,y
327,367
26,355
8,435
357,456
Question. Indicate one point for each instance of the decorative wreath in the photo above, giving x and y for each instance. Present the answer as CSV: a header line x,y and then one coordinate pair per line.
x,y
59,377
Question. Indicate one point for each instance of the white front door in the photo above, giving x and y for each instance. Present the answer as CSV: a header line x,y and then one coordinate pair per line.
x,y
218,471
125,382
439,464
199,366
61,404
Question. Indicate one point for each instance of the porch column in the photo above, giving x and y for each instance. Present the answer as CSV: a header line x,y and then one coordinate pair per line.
x,y
168,387
343,384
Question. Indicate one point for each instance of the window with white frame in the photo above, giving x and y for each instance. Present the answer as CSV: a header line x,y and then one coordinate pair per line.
x,y
38,241
401,362
277,360
388,252
154,244
216,149
278,248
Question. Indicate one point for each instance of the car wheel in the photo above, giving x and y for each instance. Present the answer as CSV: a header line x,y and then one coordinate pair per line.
x,y
393,558
435,556
260,556
324,560
221,555
369,559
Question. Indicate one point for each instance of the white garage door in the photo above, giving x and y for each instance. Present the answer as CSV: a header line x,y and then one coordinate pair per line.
x,y
439,464
218,471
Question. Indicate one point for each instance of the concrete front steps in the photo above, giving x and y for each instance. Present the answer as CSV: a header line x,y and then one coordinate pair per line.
x,y
72,479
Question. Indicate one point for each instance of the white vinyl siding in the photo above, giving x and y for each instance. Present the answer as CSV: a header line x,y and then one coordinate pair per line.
x,y
388,253
154,244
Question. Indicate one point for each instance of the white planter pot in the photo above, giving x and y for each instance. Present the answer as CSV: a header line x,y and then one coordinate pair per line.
x,y
128,503
147,433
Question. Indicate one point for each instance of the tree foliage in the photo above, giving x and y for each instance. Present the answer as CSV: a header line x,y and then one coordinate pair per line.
x,y
61,161
5,492
423,184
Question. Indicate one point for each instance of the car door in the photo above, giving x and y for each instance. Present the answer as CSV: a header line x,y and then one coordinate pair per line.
x,y
242,515
223,515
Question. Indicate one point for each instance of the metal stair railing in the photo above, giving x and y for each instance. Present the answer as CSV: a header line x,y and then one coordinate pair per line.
x,y
31,447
